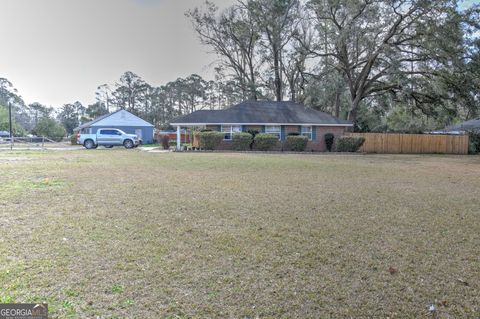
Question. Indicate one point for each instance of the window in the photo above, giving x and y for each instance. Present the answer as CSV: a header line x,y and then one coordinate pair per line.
x,y
274,130
230,130
110,132
307,131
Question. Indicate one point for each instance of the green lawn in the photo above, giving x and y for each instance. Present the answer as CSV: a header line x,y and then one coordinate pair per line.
x,y
129,234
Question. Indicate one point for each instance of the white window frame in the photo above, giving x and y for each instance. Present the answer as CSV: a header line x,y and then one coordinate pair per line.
x,y
274,130
232,130
308,134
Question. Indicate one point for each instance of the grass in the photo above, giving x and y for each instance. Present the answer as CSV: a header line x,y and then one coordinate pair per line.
x,y
123,234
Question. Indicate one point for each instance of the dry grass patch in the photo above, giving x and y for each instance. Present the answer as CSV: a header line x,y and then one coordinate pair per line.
x,y
126,234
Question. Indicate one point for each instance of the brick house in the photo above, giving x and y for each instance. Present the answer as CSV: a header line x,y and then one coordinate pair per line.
x,y
277,118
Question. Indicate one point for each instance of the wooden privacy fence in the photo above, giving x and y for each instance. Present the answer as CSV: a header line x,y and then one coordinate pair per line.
x,y
413,143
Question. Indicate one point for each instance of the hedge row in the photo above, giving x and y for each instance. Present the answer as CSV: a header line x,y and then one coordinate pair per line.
x,y
242,141
349,143
265,141
210,140
296,143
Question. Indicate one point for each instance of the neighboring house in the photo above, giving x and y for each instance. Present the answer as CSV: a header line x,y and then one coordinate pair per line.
x,y
470,125
122,120
278,118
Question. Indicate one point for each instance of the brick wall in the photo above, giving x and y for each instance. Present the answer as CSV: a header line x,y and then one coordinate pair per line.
x,y
317,145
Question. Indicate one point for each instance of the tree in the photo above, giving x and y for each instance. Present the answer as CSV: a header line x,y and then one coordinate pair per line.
x,y
94,110
104,96
49,128
17,129
9,95
70,115
38,111
232,36
380,47
128,91
277,21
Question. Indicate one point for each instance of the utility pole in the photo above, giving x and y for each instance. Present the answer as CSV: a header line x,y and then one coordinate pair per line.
x,y
10,124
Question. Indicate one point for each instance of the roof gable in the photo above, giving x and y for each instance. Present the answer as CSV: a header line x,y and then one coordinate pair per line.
x,y
118,118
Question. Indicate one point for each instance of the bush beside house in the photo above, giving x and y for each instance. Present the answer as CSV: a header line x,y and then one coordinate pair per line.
x,y
210,140
296,143
265,141
349,143
165,141
73,139
329,139
242,141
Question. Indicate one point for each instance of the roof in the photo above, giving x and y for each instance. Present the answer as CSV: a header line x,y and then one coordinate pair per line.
x,y
465,126
117,118
261,113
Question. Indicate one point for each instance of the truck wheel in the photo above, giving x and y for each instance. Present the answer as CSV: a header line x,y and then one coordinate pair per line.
x,y
128,144
108,146
89,144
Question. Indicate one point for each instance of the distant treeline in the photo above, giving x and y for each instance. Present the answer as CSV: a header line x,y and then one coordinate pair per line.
x,y
386,65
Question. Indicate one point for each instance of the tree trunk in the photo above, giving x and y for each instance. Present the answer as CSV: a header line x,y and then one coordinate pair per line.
x,y
352,115
253,84
293,92
337,101
276,67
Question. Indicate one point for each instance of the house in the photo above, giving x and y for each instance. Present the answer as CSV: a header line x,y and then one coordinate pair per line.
x,y
122,120
278,118
470,125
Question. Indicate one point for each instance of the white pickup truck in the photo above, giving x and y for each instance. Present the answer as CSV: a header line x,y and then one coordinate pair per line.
x,y
108,137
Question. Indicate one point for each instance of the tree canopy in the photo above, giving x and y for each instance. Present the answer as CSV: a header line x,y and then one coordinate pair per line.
x,y
387,65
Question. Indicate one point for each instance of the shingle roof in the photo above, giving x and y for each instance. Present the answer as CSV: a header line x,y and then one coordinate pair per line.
x,y
465,126
88,124
261,112
118,118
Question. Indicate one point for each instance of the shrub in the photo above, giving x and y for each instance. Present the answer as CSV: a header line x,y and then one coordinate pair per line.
x,y
253,133
349,143
49,128
474,140
210,140
165,141
265,141
329,138
73,138
297,143
242,141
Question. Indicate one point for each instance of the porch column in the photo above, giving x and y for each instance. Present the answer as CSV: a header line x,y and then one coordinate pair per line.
x,y
179,134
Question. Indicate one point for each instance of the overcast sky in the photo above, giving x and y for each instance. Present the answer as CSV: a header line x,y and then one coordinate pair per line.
x,y
59,51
